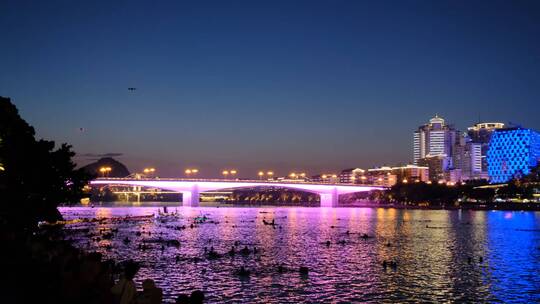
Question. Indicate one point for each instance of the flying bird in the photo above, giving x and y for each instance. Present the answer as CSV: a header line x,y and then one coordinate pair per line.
x,y
132,89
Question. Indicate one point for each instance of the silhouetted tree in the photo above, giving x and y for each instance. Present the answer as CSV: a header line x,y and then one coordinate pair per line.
x,y
37,177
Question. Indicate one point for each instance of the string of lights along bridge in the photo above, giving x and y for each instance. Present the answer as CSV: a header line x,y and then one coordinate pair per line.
x,y
192,187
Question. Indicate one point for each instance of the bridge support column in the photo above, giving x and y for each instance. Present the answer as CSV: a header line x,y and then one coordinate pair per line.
x,y
330,199
191,198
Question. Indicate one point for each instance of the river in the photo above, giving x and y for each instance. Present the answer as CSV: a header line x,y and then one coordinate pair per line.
x,y
441,255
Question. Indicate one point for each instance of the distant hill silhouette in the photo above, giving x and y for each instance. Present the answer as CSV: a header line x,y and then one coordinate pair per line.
x,y
117,168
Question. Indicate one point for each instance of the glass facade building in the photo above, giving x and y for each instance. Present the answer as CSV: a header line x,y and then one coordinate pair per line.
x,y
512,153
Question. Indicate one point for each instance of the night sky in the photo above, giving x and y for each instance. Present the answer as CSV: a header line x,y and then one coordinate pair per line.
x,y
291,85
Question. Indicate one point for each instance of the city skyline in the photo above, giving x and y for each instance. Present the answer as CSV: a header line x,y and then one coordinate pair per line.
x,y
281,87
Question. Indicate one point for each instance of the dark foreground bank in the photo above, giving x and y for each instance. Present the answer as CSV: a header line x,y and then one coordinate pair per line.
x,y
42,267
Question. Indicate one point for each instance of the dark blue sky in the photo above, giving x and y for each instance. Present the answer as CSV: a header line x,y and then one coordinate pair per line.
x,y
291,85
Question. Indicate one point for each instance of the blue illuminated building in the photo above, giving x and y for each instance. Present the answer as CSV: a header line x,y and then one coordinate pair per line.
x,y
512,153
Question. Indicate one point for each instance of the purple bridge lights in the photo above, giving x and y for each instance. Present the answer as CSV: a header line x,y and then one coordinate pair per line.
x,y
191,188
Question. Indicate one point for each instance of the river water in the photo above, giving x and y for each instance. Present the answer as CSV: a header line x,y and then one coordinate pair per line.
x,y
442,256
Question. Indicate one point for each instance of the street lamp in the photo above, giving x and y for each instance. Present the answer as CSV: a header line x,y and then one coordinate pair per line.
x,y
233,172
225,173
270,173
292,175
189,171
260,174
149,171
105,171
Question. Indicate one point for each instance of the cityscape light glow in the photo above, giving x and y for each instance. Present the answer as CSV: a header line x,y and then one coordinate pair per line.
x,y
512,153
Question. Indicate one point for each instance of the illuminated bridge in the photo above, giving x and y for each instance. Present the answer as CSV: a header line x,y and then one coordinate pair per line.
x,y
191,188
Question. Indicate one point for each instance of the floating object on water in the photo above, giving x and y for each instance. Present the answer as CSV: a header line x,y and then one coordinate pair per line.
x,y
243,272
365,236
245,251
273,223
303,270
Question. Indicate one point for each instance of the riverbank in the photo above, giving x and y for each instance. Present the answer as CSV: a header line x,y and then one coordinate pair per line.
x,y
41,267
357,204
45,267
450,206
373,204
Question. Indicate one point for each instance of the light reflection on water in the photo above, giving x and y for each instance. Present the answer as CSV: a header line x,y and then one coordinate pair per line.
x,y
431,248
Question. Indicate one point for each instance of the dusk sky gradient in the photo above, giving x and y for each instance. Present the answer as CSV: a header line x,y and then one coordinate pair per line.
x,y
314,86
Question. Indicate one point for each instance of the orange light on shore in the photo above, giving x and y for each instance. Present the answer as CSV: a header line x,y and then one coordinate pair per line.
x,y
105,170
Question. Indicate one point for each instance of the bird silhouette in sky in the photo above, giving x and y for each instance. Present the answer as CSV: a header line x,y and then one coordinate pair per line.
x,y
132,89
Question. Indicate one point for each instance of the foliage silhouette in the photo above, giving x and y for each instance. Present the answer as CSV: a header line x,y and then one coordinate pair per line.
x,y
37,177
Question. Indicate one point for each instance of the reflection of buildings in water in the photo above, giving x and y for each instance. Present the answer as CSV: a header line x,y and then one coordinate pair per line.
x,y
467,240
512,242
427,259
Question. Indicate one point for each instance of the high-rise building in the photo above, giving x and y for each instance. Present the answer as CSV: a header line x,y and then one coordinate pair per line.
x,y
468,159
480,133
435,138
512,153
437,165
434,144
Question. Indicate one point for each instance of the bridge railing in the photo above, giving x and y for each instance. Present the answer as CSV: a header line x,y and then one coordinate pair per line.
x,y
236,181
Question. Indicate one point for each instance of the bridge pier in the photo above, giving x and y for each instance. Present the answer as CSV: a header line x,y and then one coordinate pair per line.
x,y
191,198
330,199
